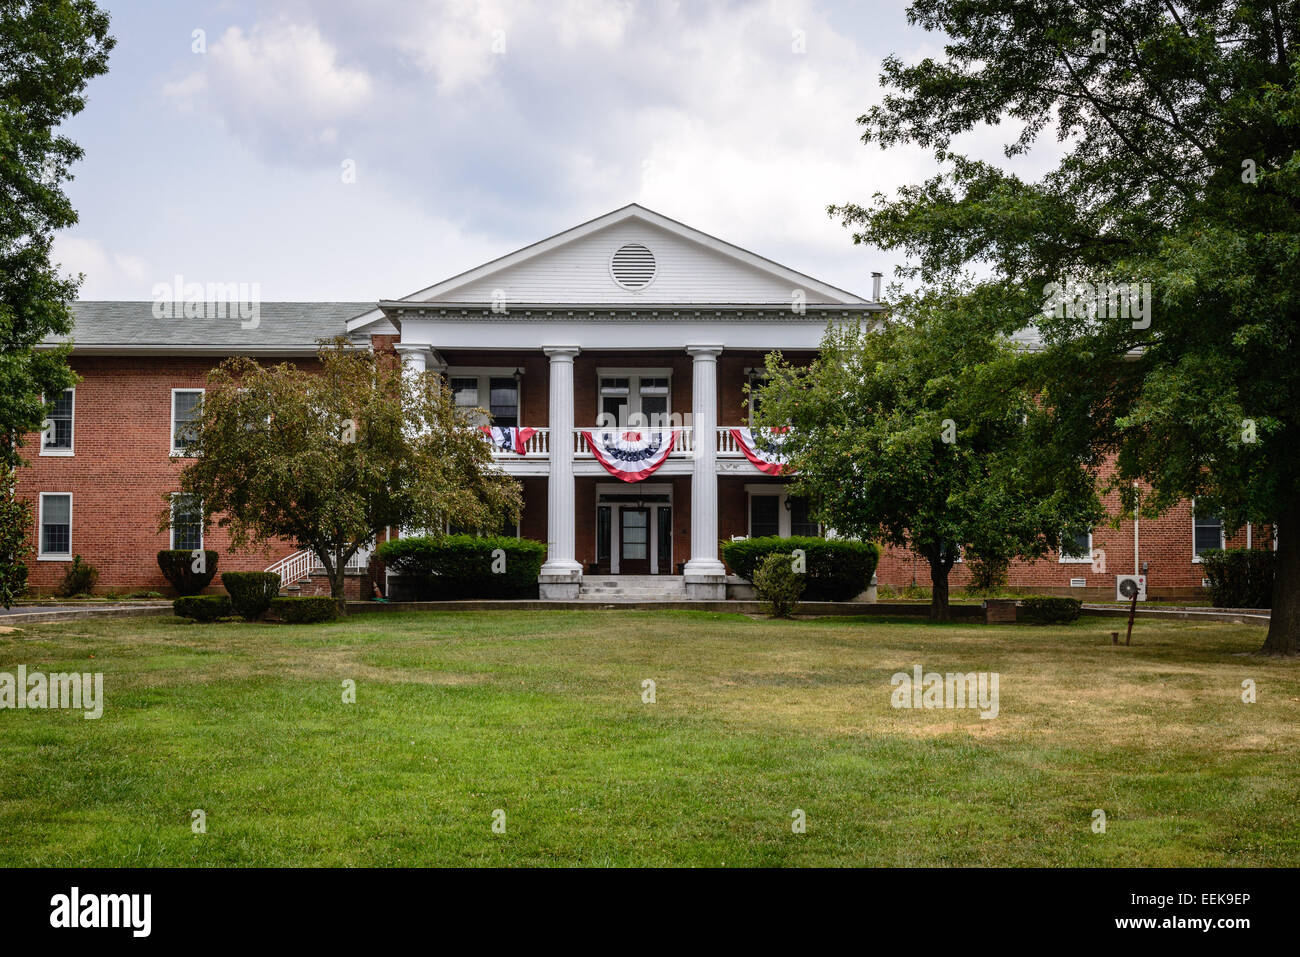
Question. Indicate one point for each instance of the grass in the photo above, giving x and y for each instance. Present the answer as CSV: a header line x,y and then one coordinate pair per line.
x,y
540,714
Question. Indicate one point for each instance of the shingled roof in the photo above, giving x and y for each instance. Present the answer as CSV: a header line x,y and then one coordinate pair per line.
x,y
282,327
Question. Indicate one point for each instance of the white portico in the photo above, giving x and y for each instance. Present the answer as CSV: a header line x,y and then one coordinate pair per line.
x,y
629,327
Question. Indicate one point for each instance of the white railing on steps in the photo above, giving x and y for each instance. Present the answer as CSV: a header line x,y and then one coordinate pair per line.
x,y
294,568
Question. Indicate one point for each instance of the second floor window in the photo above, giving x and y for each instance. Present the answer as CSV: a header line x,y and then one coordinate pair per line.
x,y
629,397
185,419
57,438
498,395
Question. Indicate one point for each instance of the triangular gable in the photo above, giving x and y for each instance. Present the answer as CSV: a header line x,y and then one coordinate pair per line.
x,y
575,267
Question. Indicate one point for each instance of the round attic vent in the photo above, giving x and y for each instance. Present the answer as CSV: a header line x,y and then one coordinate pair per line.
x,y
633,266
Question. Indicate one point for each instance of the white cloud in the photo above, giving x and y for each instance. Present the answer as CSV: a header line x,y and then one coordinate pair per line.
x,y
108,275
278,83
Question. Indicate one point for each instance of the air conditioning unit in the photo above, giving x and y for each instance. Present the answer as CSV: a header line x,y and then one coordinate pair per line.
x,y
1126,586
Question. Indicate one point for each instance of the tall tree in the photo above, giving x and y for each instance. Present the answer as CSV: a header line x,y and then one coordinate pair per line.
x,y
49,51
330,457
918,436
1181,168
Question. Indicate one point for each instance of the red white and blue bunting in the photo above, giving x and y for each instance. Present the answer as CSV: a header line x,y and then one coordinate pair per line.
x,y
507,438
633,454
765,450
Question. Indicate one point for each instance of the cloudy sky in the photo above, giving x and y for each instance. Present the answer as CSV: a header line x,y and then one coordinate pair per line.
x,y
342,150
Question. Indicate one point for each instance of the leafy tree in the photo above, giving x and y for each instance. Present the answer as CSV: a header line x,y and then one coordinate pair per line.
x,y
1180,121
15,521
330,457
49,50
910,434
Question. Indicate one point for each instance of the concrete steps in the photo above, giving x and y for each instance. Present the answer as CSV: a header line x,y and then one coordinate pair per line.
x,y
632,588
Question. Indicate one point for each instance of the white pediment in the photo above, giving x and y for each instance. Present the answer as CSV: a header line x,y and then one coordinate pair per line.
x,y
684,265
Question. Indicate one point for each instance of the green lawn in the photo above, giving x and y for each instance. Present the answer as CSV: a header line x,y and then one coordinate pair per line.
x,y
540,714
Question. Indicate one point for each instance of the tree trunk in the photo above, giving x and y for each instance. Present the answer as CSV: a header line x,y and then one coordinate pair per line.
x,y
939,589
1284,622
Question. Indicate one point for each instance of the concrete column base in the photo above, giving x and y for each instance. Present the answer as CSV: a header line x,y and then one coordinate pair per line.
x,y
560,585
706,587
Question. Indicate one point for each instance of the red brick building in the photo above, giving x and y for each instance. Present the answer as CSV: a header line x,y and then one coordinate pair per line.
x,y
632,316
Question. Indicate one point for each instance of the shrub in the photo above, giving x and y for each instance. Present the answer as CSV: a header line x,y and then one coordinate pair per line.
x,y
1051,611
1240,577
177,566
79,579
987,575
202,607
837,569
15,545
251,592
778,585
305,610
465,566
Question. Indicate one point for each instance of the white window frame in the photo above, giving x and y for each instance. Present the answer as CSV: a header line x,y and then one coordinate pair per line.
x,y
64,453
1085,559
485,375
171,523
41,554
171,436
1223,538
634,377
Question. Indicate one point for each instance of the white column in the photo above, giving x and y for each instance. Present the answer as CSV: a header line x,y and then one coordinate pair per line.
x,y
561,575
705,575
415,357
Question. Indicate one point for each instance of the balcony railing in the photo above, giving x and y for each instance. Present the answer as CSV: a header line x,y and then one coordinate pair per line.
x,y
538,445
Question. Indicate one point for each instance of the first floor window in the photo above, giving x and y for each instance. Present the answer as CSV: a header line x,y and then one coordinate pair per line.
x,y
58,433
187,522
764,515
1207,532
185,419
56,525
800,522
1076,548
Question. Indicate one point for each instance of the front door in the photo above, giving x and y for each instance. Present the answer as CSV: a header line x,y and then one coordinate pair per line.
x,y
634,541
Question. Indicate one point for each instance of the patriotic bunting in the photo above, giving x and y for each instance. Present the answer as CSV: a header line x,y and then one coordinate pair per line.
x,y
765,451
631,455
507,438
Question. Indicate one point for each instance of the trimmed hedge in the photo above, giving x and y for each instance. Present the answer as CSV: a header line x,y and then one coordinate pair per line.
x,y
837,569
251,592
177,566
1050,610
449,567
305,609
1240,577
203,607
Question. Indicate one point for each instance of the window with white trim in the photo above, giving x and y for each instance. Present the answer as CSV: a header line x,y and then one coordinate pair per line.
x,y
55,526
634,397
57,437
187,522
496,391
1076,549
1207,532
186,404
